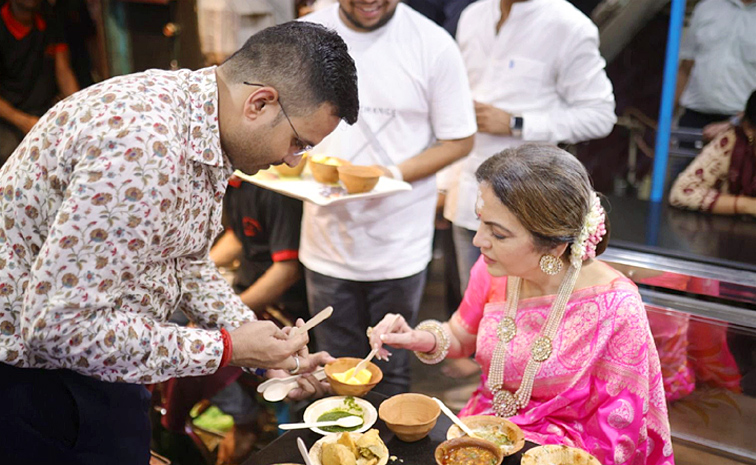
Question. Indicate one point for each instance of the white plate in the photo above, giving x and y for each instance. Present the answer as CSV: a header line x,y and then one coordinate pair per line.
x,y
316,449
307,189
320,407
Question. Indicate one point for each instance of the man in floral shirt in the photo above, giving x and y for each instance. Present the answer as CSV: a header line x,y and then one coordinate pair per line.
x,y
109,207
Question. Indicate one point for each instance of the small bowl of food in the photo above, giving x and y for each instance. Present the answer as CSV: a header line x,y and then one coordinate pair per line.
x,y
292,172
468,451
325,169
500,431
410,416
333,408
339,374
359,179
558,455
349,449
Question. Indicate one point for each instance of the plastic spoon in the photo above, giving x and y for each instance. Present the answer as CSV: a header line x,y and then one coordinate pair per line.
x,y
363,363
344,422
277,392
312,322
303,451
455,419
288,379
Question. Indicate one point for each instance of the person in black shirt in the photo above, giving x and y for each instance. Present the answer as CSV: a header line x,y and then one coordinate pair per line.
x,y
34,67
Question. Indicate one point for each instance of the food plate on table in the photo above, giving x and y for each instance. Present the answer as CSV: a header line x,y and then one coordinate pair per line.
x,y
350,448
504,433
348,405
307,189
557,455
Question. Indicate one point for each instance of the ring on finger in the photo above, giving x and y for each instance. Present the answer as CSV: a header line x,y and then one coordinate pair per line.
x,y
295,370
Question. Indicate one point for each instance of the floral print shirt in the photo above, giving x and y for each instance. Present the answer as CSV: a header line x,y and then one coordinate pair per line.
x,y
107,213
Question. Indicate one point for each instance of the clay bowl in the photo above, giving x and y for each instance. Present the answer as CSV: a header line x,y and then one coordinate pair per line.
x,y
409,416
359,179
486,425
558,455
323,169
287,171
340,365
450,445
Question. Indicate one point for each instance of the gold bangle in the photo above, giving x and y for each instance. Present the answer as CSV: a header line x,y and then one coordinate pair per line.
x,y
443,341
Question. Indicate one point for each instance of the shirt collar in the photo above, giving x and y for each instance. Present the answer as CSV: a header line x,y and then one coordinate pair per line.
x,y
15,27
204,133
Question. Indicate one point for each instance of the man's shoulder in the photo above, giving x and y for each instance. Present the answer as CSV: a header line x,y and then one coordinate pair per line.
x,y
411,20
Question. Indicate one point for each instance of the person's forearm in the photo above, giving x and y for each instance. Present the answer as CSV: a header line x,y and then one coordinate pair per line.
x,y
431,160
683,73
64,74
734,205
269,288
14,116
226,250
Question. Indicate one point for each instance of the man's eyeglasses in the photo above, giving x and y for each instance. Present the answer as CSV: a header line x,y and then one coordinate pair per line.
x,y
301,144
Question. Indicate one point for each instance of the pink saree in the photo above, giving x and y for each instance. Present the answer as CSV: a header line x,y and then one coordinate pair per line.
x,y
601,390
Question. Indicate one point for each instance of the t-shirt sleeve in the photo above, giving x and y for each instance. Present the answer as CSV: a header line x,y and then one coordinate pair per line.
x,y
54,36
470,311
451,103
284,226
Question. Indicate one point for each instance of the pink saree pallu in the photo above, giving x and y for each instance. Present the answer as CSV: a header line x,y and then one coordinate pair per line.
x,y
601,390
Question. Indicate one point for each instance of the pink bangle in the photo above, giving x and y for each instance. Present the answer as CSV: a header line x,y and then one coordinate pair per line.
x,y
228,348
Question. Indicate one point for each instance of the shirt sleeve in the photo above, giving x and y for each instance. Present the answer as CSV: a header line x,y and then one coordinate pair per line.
x,y
688,46
699,186
86,310
451,104
587,99
284,224
470,311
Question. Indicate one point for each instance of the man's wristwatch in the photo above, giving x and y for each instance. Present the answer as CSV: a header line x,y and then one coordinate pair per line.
x,y
515,126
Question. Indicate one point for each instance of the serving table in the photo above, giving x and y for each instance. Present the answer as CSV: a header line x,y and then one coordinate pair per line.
x,y
284,449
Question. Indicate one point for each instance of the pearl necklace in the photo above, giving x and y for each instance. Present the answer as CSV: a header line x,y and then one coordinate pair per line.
x,y
505,403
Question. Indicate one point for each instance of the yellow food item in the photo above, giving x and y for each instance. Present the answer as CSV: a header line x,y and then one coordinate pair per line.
x,y
337,454
346,440
331,161
363,377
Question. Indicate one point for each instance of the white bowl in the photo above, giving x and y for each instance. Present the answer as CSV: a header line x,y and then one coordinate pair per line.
x,y
316,409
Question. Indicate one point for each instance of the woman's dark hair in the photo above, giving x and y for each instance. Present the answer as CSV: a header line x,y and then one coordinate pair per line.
x,y
306,63
750,109
546,188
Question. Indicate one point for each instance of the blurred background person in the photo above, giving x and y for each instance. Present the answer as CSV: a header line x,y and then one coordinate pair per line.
x,y
35,68
722,178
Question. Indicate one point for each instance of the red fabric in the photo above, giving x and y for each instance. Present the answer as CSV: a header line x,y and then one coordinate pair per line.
x,y
16,28
234,181
228,348
284,255
742,175
54,49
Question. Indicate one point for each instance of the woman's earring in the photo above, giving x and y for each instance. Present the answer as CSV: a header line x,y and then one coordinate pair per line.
x,y
551,265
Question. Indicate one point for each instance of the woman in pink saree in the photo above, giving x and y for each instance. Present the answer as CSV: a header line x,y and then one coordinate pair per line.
x,y
562,339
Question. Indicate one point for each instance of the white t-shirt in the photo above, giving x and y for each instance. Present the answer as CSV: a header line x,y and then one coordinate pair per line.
x,y
544,65
413,90
722,42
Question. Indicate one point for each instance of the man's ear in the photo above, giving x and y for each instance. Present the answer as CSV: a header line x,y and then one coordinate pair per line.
x,y
259,101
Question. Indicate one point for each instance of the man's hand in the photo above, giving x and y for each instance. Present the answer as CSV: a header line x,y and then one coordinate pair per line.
x,y
492,120
308,385
260,344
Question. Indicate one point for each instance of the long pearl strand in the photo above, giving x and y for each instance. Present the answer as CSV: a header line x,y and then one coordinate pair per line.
x,y
505,403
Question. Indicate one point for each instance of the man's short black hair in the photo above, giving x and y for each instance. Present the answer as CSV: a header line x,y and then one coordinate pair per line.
x,y
306,63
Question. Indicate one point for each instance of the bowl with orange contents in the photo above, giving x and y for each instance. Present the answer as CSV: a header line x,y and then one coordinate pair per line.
x,y
292,171
359,179
468,451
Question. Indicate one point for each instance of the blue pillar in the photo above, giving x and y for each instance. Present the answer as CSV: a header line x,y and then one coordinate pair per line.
x,y
661,152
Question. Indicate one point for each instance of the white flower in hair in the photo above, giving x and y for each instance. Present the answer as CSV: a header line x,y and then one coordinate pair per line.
x,y
594,228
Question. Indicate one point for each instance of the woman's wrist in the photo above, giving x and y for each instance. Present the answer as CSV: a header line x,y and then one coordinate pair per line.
x,y
441,345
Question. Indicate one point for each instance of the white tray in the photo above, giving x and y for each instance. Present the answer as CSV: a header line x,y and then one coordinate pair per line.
x,y
309,190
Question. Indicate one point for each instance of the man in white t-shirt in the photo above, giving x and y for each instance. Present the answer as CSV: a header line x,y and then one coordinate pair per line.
x,y
536,76
367,258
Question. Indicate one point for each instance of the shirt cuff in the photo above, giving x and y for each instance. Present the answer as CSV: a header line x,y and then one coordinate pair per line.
x,y
284,255
536,126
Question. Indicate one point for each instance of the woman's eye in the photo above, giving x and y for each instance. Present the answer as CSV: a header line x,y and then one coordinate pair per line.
x,y
498,236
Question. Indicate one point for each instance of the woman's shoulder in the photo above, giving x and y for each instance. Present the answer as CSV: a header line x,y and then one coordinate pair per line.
x,y
722,143
599,275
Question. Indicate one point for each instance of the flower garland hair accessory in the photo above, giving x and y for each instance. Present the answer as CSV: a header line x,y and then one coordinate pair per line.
x,y
594,229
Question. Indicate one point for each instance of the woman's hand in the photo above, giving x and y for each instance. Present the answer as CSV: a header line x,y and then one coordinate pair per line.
x,y
393,330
